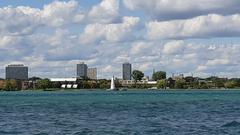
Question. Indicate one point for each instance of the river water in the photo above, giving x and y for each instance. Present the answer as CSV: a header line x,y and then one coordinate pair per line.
x,y
132,112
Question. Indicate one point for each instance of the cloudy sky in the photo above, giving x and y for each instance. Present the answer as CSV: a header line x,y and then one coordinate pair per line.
x,y
198,37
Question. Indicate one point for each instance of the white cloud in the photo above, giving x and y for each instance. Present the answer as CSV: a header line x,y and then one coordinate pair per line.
x,y
9,41
174,47
51,40
106,12
182,9
25,20
139,48
200,27
16,21
216,62
61,13
109,32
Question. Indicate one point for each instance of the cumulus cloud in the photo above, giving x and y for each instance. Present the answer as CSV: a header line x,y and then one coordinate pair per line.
x,y
209,26
109,32
25,20
51,40
179,9
174,47
18,21
9,41
106,12
61,13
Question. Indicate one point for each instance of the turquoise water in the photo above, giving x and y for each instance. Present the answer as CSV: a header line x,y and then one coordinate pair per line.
x,y
120,113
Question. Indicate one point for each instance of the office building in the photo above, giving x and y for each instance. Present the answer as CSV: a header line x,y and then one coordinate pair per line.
x,y
92,73
127,71
17,72
82,70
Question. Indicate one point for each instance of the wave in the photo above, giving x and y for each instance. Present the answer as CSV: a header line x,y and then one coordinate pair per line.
x,y
232,124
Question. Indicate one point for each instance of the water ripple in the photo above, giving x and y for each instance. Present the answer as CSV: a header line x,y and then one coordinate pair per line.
x,y
134,113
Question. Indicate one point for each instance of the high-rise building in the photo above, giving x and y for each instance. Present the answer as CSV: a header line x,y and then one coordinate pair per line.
x,y
92,73
82,70
17,72
127,71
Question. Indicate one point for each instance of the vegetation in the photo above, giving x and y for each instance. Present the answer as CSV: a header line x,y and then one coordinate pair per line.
x,y
10,85
230,84
137,75
180,84
188,82
159,75
162,84
44,84
104,84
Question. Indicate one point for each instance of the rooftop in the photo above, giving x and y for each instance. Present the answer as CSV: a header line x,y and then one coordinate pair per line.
x,y
74,79
16,65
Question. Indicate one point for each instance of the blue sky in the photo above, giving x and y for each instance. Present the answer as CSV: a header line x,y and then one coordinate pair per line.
x,y
51,37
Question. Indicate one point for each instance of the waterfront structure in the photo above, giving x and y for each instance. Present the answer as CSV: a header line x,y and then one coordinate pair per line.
x,y
17,72
127,71
129,83
177,77
82,69
74,79
92,73
66,83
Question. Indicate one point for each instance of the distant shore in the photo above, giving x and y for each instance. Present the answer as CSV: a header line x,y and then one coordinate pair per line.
x,y
41,90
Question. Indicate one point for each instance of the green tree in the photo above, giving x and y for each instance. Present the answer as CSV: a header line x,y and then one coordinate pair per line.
x,y
230,84
44,84
180,84
56,84
104,84
137,75
117,83
161,84
189,79
219,82
159,75
10,85
170,83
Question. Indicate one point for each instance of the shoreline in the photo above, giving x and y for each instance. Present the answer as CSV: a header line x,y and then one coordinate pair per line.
x,y
160,90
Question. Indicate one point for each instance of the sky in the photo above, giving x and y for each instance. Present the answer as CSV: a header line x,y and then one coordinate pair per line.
x,y
199,38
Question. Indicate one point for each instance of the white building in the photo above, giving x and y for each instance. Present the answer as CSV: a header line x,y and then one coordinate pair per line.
x,y
69,83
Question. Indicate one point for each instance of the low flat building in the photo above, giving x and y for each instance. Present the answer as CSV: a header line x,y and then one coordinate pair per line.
x,y
178,77
132,82
74,79
66,83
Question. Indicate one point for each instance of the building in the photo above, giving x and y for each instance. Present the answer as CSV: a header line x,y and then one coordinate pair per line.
x,y
129,83
178,77
127,71
17,72
82,70
92,73
66,83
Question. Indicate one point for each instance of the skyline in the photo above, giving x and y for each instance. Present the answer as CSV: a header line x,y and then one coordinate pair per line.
x,y
51,37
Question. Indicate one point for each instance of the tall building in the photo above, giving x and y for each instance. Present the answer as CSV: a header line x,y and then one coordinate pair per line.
x,y
127,71
18,72
92,73
82,70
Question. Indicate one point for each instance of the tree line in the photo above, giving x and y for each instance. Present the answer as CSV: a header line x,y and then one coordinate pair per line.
x,y
160,76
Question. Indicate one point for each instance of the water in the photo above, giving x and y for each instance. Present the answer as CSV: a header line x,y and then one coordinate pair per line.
x,y
120,113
